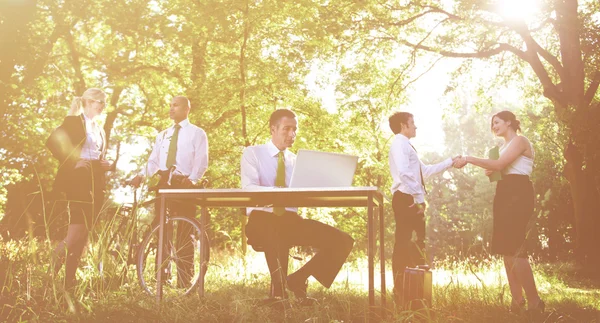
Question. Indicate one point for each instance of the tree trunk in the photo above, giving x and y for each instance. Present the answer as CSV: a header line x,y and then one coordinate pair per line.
x,y
242,94
112,116
586,203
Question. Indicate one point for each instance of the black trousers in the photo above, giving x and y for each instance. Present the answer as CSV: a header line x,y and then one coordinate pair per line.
x,y
406,252
86,194
275,234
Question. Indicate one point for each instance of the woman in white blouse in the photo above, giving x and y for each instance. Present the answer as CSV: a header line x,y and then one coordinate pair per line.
x,y
513,207
79,145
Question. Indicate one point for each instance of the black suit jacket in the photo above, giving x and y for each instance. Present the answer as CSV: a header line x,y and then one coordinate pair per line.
x,y
65,144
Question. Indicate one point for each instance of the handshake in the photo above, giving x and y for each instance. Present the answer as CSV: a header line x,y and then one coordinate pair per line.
x,y
459,161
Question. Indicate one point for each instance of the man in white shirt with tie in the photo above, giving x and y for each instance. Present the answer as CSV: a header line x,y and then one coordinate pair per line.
x,y
275,230
183,146
408,202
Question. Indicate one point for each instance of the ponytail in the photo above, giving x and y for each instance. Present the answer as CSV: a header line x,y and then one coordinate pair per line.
x,y
77,104
76,107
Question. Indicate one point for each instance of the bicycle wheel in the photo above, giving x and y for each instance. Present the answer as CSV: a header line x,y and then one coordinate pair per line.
x,y
182,263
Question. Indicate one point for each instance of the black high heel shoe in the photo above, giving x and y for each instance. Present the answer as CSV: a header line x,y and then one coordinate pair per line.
x,y
540,307
517,307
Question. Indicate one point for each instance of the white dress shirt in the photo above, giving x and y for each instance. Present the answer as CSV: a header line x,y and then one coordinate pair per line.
x,y
92,148
259,169
192,152
406,168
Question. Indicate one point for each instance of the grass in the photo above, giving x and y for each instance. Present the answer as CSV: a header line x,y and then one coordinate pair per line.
x,y
467,291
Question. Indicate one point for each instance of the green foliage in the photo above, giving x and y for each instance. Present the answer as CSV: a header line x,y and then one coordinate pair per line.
x,y
239,60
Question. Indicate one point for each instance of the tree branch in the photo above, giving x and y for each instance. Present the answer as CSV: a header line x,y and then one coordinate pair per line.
x,y
131,71
112,116
482,54
80,85
413,18
222,118
421,75
525,34
38,66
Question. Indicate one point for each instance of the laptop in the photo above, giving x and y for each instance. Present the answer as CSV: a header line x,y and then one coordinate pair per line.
x,y
323,169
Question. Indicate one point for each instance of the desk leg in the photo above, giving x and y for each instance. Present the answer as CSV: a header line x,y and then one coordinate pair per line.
x,y
203,264
161,241
370,255
382,257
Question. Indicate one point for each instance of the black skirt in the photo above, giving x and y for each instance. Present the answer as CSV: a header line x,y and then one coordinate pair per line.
x,y
86,193
513,208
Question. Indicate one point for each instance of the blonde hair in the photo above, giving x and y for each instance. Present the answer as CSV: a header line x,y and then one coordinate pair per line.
x,y
79,101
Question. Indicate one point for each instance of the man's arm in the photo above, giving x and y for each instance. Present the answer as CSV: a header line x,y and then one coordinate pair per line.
x,y
249,170
200,164
400,152
152,166
430,170
153,161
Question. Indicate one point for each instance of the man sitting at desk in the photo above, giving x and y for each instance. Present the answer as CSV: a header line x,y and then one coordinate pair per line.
x,y
275,230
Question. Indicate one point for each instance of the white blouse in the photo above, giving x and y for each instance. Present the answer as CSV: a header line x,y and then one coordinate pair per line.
x,y
92,148
523,165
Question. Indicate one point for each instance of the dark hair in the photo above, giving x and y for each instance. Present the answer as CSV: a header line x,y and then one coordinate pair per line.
x,y
397,120
279,114
507,116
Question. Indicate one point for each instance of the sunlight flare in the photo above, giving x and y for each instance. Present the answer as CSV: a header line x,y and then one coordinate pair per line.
x,y
517,10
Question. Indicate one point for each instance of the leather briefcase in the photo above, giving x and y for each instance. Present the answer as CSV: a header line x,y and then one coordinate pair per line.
x,y
418,287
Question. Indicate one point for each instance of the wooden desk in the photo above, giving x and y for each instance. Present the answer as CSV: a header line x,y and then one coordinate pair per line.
x,y
368,197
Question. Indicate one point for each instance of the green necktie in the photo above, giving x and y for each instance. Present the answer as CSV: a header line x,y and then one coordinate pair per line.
x,y
280,180
420,171
173,147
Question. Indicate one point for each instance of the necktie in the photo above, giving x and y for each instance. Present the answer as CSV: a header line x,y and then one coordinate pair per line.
x,y
280,180
420,172
172,154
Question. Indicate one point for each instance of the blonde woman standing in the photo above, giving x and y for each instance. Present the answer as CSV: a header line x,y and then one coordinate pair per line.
x,y
79,144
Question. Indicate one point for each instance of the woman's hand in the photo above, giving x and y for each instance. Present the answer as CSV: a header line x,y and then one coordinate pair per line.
x,y
488,172
459,161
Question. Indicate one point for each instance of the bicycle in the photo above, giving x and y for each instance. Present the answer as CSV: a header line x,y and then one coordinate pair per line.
x,y
182,265
183,240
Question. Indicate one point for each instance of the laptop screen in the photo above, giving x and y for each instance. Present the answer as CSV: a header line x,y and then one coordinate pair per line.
x,y
323,169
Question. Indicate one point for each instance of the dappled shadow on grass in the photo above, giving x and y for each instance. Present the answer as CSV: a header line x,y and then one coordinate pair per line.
x,y
573,275
228,303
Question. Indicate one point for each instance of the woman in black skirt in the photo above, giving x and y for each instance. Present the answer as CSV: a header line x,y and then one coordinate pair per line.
x,y
513,207
79,144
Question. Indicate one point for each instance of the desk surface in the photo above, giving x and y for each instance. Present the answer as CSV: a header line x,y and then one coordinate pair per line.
x,y
290,197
